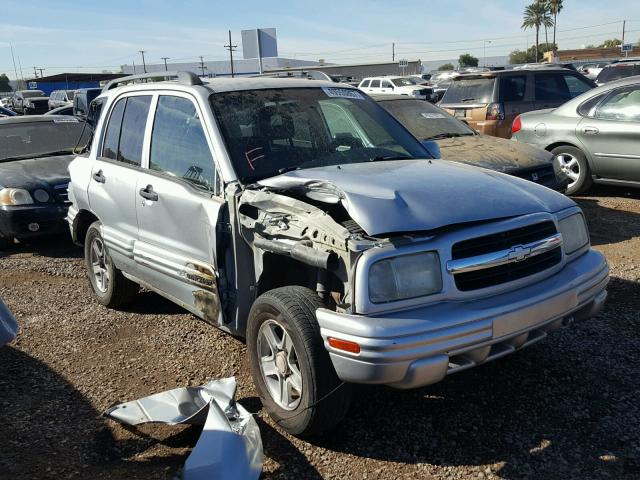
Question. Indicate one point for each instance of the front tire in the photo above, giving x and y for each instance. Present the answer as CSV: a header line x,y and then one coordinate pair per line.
x,y
111,288
574,164
291,368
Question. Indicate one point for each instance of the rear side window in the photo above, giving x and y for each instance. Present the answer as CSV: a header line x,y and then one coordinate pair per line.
x,y
622,105
132,132
375,83
513,89
576,85
551,87
471,90
586,109
178,143
616,72
112,135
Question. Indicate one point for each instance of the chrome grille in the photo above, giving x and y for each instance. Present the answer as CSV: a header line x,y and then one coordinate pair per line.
x,y
518,259
62,193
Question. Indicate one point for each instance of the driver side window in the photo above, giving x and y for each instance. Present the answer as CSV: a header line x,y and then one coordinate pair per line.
x,y
179,147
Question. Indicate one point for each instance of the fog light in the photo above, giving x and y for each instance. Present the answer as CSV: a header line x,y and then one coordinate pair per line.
x,y
345,345
34,227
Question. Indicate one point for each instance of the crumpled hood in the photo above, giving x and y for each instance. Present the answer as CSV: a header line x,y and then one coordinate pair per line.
x,y
495,153
34,172
420,195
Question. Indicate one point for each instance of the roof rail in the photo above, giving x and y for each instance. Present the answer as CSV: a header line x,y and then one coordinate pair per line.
x,y
185,78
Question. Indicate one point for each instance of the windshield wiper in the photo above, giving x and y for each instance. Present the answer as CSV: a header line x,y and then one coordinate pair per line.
x,y
448,135
382,158
468,99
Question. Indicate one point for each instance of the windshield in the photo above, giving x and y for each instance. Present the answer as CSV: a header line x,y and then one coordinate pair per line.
x,y
39,139
268,132
71,94
32,94
472,90
424,120
404,82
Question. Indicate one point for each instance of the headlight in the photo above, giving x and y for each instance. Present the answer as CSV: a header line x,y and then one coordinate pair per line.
x,y
574,233
403,277
15,196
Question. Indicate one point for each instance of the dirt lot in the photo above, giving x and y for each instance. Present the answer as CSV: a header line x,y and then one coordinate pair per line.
x,y
564,408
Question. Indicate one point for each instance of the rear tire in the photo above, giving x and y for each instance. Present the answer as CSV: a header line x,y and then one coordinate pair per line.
x,y
283,326
111,288
574,164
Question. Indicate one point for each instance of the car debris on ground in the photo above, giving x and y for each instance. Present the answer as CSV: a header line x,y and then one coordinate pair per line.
x,y
230,446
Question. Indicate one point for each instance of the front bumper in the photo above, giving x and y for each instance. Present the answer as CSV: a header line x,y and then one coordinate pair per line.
x,y
417,347
31,221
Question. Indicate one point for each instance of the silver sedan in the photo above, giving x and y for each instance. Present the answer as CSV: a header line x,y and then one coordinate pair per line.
x,y
596,135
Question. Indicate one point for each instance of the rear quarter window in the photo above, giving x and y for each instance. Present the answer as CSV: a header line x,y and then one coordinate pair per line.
x,y
513,88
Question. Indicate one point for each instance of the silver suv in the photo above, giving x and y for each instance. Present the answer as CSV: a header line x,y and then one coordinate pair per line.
x,y
301,216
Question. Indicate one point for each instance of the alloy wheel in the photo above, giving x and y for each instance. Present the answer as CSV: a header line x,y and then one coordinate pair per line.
x,y
279,365
570,167
99,265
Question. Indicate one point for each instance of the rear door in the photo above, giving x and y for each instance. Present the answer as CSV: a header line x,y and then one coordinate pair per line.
x,y
612,135
178,201
374,87
552,89
112,188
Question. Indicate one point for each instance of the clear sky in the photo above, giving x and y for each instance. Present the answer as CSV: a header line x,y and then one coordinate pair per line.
x,y
64,35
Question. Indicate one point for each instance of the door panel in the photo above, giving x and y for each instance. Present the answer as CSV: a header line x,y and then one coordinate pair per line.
x,y
612,136
178,210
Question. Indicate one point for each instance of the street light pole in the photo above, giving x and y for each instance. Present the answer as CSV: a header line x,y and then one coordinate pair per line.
x,y
484,44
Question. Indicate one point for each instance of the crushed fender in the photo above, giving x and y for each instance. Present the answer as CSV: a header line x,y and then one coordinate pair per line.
x,y
8,325
230,446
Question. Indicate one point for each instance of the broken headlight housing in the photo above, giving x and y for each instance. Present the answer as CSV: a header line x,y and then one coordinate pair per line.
x,y
404,277
574,233
15,196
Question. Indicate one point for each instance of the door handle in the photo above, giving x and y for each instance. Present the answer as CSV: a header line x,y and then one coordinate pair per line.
x,y
590,131
99,177
148,193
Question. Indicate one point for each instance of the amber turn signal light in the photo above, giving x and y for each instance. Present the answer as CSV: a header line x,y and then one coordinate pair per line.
x,y
345,345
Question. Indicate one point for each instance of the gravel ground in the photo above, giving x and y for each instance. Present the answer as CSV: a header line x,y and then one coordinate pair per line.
x,y
564,408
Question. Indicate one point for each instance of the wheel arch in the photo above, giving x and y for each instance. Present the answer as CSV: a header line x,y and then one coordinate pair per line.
x,y
586,154
81,224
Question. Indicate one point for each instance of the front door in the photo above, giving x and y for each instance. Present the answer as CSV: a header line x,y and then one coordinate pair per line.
x,y
112,189
178,203
612,135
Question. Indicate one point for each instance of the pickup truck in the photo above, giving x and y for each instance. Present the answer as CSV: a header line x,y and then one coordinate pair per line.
x,y
301,216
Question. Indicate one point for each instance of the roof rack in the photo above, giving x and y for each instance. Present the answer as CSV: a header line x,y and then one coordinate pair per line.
x,y
185,78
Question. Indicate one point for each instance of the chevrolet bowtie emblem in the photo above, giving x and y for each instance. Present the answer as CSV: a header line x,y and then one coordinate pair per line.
x,y
519,253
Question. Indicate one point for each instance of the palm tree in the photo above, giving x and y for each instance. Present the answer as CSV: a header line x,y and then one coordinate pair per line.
x,y
536,16
555,6
547,7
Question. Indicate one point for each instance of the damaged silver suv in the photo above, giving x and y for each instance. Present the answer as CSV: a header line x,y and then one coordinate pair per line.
x,y
301,216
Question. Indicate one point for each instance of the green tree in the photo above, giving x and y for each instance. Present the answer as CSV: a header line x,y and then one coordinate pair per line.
x,y
555,6
467,60
529,56
536,16
446,66
4,83
611,43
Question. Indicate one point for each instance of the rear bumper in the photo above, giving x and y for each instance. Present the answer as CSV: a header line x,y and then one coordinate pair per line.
x,y
421,346
32,221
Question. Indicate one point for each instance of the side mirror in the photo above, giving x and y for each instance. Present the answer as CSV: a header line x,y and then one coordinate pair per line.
x,y
432,147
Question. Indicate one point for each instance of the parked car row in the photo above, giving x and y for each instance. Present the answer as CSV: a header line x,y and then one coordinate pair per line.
x,y
35,102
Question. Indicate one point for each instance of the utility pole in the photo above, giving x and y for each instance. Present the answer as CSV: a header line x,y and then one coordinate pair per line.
x,y
231,49
35,72
144,65
134,66
41,74
624,24
165,63
14,62
393,52
202,67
